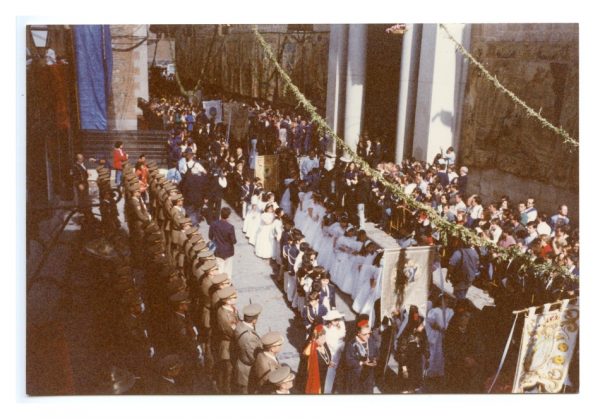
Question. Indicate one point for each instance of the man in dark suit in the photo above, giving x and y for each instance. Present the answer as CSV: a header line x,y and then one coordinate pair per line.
x,y
222,233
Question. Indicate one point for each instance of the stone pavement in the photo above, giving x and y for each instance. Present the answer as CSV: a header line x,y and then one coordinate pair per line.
x,y
253,277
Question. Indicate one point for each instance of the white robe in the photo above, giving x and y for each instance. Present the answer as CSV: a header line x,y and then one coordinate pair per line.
x,y
334,338
264,236
435,338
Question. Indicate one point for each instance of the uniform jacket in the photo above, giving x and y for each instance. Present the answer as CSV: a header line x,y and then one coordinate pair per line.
x,y
248,344
262,367
226,321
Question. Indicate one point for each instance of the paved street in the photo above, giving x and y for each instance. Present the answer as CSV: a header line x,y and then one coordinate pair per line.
x,y
253,278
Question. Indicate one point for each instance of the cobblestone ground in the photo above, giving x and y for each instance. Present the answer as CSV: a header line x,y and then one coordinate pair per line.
x,y
254,279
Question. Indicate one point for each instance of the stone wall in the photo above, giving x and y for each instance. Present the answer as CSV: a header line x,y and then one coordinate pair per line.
x,y
129,76
237,64
506,151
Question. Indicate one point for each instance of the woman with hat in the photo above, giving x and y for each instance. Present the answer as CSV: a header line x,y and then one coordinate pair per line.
x,y
335,335
318,361
264,235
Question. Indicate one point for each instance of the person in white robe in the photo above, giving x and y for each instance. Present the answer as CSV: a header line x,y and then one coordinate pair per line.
x,y
264,235
436,324
335,335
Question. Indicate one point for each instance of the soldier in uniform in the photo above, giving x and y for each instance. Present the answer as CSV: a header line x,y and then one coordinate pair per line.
x,y
169,369
206,270
281,380
182,337
248,344
227,319
135,349
266,360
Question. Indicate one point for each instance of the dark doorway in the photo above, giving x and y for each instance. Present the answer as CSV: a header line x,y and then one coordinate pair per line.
x,y
382,84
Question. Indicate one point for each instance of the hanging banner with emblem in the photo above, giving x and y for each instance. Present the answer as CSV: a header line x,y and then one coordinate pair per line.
x,y
235,116
214,109
547,346
406,279
267,171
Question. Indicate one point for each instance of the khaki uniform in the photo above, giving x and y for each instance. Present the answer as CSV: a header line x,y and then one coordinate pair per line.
x,y
225,323
248,344
263,365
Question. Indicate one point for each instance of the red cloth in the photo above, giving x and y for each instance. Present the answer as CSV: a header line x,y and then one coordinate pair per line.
x,y
142,174
313,383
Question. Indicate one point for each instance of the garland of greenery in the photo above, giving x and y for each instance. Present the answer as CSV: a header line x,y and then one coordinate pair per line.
x,y
568,140
447,229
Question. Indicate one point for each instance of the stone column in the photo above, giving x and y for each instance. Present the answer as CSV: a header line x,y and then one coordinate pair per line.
x,y
355,83
440,94
130,76
409,73
336,80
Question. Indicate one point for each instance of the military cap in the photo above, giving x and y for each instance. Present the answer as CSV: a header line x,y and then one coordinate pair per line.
x,y
190,230
180,297
132,187
194,238
151,228
176,285
161,180
103,175
207,265
175,197
120,381
200,252
252,310
177,237
129,175
226,293
219,278
155,237
280,375
123,284
156,248
272,339
169,363
131,299
151,164
168,186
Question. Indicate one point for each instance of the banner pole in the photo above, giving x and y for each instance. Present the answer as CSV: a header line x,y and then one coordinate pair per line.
x,y
512,330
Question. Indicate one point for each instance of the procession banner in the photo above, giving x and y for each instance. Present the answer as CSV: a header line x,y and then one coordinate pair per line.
x,y
236,116
406,279
214,109
547,346
267,171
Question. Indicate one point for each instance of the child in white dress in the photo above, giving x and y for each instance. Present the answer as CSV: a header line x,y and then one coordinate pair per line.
x,y
264,235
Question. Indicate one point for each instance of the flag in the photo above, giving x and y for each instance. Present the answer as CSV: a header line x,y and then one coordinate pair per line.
x,y
547,346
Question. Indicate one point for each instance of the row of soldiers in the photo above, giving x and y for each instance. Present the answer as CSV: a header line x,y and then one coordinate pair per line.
x,y
180,331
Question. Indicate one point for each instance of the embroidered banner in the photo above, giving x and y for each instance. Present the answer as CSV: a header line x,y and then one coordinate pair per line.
x,y
214,109
406,279
547,346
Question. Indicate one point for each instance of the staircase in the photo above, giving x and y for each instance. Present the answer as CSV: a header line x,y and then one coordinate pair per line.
x,y
99,144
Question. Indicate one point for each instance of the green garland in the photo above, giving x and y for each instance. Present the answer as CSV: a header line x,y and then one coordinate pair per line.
x,y
568,140
445,227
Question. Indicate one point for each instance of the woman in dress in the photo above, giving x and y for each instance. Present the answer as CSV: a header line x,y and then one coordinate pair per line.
x,y
286,202
319,360
255,223
264,234
437,323
315,213
324,240
252,213
371,291
412,352
347,270
334,233
368,253
276,237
